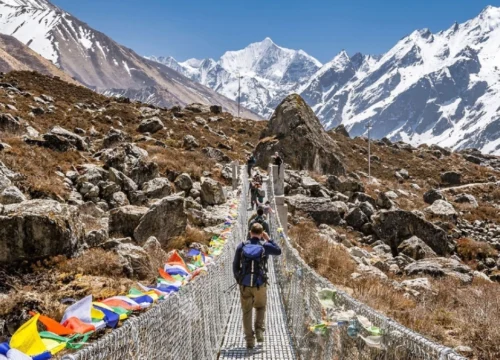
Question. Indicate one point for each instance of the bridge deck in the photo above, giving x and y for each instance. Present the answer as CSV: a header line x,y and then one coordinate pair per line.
x,y
277,340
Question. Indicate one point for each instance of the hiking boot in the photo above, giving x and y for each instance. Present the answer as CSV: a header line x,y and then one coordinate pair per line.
x,y
259,335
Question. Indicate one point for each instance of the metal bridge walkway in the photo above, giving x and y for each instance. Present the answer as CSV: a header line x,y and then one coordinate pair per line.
x,y
277,340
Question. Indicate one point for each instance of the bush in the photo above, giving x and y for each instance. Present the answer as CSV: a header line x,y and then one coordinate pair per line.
x,y
470,250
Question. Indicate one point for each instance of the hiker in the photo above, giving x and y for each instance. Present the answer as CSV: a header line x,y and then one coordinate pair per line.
x,y
261,194
254,192
278,161
258,218
258,178
267,209
250,164
250,272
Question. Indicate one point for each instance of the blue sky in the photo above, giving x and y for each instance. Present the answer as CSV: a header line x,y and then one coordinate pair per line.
x,y
203,28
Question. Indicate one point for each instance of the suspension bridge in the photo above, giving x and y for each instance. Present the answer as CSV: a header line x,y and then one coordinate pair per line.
x,y
203,320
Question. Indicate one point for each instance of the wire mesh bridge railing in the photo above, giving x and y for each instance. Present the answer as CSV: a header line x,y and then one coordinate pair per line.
x,y
191,324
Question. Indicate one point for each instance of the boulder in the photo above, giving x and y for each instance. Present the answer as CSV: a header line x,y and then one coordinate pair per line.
x,y
157,188
59,136
415,248
341,130
442,209
440,267
126,184
151,125
9,123
396,225
212,192
36,229
321,210
190,142
356,218
384,200
135,260
113,137
124,220
11,195
216,109
344,185
293,128
184,182
466,199
433,195
216,154
143,171
118,199
164,220
367,209
419,284
204,218
451,177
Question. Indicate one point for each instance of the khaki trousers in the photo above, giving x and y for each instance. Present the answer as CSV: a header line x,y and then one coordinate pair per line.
x,y
252,297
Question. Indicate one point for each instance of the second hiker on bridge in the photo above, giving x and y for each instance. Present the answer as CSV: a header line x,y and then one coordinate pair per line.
x,y
250,271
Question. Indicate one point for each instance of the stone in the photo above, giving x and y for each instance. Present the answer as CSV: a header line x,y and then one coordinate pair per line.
x,y
184,182
418,284
341,130
356,218
11,195
122,180
108,188
321,210
151,125
384,201
216,154
440,267
207,218
404,174
197,108
157,188
36,229
466,199
473,159
190,142
135,260
292,128
212,192
367,209
442,209
433,195
113,137
9,123
94,238
118,199
138,198
344,185
75,140
124,220
200,121
362,197
216,109
416,249
143,171
396,225
164,220
451,177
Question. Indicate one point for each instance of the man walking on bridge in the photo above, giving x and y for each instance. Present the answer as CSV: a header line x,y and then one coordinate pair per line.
x,y
250,271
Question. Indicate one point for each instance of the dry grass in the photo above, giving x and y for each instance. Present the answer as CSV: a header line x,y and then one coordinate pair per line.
x,y
453,313
96,262
471,250
192,235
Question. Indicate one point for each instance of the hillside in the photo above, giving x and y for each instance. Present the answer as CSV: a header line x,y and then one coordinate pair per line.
x,y
96,60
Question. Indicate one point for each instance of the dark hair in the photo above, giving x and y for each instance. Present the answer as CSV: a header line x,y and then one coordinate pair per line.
x,y
268,202
260,211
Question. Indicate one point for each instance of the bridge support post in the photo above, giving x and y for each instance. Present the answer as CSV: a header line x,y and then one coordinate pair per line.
x,y
235,174
278,179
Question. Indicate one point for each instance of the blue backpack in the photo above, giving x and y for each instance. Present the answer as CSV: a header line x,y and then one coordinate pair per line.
x,y
253,266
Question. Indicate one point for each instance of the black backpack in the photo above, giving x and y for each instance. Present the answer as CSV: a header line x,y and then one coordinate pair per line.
x,y
253,265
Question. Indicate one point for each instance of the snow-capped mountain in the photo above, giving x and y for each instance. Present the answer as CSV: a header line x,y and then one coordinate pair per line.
x,y
266,71
439,88
96,60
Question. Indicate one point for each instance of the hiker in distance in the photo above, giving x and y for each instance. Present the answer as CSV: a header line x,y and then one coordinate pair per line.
x,y
250,272
277,161
250,164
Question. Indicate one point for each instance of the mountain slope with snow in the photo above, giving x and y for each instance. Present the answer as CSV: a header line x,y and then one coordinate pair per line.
x,y
439,88
96,60
268,73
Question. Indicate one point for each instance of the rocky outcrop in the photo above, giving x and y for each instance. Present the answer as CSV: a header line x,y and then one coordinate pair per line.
x,y
212,192
124,220
321,210
37,229
296,133
439,267
415,248
164,220
395,226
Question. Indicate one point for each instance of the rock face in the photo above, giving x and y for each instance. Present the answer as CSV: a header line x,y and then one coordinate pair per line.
x,y
439,267
293,128
157,188
124,220
36,229
416,249
321,210
212,192
164,220
396,225
442,209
